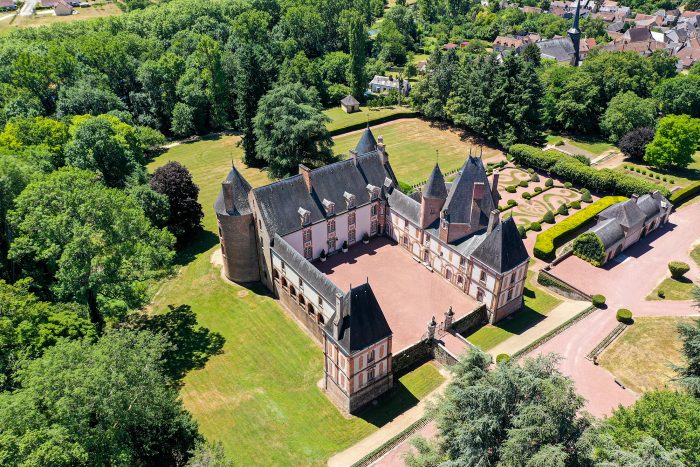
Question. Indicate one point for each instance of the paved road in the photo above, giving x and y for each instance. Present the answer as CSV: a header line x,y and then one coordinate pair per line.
x,y
28,8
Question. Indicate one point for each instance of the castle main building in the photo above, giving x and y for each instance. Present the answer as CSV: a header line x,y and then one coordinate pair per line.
x,y
274,233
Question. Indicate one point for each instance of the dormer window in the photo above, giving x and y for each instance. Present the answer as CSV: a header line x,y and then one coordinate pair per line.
x,y
373,191
305,216
329,206
349,199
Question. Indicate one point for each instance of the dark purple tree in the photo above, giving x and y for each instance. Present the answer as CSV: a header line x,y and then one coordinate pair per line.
x,y
175,181
634,143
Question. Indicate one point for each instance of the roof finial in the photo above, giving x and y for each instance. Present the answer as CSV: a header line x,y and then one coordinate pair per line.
x,y
437,156
481,154
470,151
367,121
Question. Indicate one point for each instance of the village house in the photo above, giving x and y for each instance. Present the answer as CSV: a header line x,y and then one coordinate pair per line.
x,y
381,84
274,234
8,5
62,8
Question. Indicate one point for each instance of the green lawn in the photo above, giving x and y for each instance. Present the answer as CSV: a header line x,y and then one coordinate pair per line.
x,y
341,119
680,177
538,303
411,144
673,290
262,390
695,254
594,146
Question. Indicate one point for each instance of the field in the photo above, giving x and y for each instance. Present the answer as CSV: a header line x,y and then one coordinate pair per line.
x,y
538,304
642,355
680,177
341,119
97,10
263,389
594,147
412,144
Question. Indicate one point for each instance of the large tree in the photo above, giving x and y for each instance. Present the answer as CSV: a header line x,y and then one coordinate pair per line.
x,y
85,242
676,140
430,94
291,129
690,335
357,44
175,181
634,143
627,112
15,175
107,403
679,95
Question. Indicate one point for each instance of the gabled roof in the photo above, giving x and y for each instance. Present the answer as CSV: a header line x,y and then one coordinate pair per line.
x,y
626,212
502,249
459,199
609,231
367,142
349,100
638,34
363,325
435,186
241,188
560,49
404,205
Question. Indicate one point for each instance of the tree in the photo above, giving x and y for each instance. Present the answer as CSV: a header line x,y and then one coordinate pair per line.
x,y
209,455
357,44
291,129
15,175
627,112
675,142
431,92
510,415
175,182
106,403
156,206
634,143
87,97
83,241
679,95
22,133
689,375
532,55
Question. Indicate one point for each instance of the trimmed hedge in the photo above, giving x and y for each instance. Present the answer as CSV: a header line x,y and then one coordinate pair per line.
x,y
535,226
562,232
511,188
589,247
624,315
678,269
681,196
598,300
571,169
502,358
374,121
548,217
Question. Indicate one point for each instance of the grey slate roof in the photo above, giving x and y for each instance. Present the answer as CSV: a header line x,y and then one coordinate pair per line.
x,y
638,34
363,325
626,212
502,249
459,199
367,142
241,188
308,272
404,205
560,49
650,205
349,100
435,186
609,232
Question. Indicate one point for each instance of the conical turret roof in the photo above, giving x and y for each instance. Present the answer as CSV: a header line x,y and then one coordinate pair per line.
x,y
435,186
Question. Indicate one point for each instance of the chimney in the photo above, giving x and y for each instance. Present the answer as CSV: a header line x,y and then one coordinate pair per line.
x,y
227,188
477,195
494,184
339,315
353,156
494,220
305,172
635,197
381,148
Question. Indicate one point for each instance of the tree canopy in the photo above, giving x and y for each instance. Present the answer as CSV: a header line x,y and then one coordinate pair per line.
x,y
676,140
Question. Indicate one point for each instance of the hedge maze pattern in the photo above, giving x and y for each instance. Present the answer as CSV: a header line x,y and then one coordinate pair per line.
x,y
532,210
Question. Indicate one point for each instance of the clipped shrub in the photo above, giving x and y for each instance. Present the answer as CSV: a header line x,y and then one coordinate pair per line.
x,y
567,185
582,159
672,181
624,315
526,195
664,179
586,197
535,178
512,202
535,226
405,188
531,171
523,183
502,358
565,230
511,188
678,269
589,247
563,210
538,189
549,182
575,205
522,231
598,300
660,293
548,217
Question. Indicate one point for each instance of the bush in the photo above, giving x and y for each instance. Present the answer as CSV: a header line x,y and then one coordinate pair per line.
x,y
582,159
405,188
535,226
535,178
575,205
661,293
598,300
678,269
634,143
689,192
526,195
548,217
586,197
512,202
589,247
538,189
564,230
624,315
511,188
522,231
531,171
567,185
502,358
563,210
549,182
523,183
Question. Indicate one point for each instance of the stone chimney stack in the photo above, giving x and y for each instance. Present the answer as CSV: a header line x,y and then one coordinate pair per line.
x,y
227,188
305,172
339,314
381,148
494,219
494,185
477,196
635,197
353,156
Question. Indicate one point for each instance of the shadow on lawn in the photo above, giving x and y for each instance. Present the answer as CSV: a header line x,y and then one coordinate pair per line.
x,y
523,319
202,242
389,406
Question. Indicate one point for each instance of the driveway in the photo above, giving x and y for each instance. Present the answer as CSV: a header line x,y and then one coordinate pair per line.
x,y
28,8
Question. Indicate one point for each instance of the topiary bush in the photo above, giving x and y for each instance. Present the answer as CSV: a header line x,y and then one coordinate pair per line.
x,y
575,205
589,247
511,188
598,300
548,217
535,226
586,197
661,293
624,315
502,358
538,189
535,178
522,231
523,183
567,185
549,182
512,202
531,171
526,195
678,269
563,210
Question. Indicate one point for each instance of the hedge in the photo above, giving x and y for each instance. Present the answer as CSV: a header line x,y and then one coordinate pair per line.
x,y
571,169
373,121
678,269
502,358
562,232
598,300
624,315
589,247
681,196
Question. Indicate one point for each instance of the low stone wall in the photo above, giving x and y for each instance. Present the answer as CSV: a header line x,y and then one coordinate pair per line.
x,y
443,355
411,357
546,278
471,321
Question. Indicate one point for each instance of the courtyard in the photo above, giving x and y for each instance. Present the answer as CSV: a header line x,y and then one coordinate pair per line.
x,y
407,291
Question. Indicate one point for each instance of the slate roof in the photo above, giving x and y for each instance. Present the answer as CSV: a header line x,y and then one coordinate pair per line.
x,y
638,34
459,199
367,142
308,272
349,100
609,232
502,249
650,205
435,186
626,212
560,49
404,205
241,188
363,325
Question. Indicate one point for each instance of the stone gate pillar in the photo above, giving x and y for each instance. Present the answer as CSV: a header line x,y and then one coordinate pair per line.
x,y
449,318
431,328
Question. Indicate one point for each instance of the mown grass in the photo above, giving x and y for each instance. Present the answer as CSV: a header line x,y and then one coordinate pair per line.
x,y
593,146
260,396
673,289
340,119
642,356
680,176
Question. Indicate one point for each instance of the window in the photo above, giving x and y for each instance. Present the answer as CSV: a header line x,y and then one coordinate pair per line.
x,y
427,239
373,227
359,362
332,243
373,210
351,218
370,356
448,274
283,266
331,226
320,301
307,235
482,276
301,283
351,236
512,279
462,262
479,295
405,223
460,280
308,252
510,293
405,240
370,375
